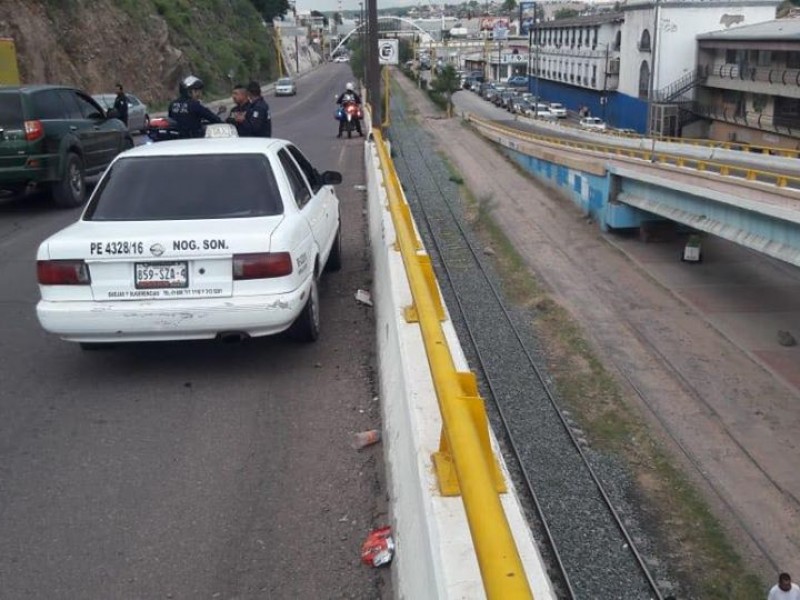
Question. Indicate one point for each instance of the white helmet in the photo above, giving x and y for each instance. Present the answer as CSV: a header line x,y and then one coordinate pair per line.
x,y
349,87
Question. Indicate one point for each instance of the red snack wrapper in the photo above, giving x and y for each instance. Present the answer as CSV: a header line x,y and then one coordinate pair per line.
x,y
378,549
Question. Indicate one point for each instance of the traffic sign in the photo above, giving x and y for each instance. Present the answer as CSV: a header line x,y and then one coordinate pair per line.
x,y
388,52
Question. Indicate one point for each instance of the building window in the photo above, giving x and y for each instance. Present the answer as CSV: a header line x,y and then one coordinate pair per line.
x,y
617,41
644,80
764,58
787,112
793,60
644,41
760,102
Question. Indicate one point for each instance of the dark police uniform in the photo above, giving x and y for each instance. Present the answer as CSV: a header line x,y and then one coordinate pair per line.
x,y
259,119
349,95
190,114
121,106
242,127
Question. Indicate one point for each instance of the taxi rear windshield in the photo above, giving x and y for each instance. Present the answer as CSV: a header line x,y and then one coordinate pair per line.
x,y
178,188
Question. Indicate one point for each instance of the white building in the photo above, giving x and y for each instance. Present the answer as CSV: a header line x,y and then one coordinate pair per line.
x,y
604,61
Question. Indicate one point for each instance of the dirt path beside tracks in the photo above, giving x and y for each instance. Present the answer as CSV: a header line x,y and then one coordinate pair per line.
x,y
732,424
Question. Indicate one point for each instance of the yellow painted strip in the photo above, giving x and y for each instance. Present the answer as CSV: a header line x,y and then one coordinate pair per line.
x,y
465,433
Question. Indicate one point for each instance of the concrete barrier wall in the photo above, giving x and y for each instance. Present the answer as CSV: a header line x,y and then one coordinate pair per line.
x,y
435,557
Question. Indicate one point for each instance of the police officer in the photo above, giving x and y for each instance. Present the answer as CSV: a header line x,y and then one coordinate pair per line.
x,y
238,116
121,105
349,95
187,110
258,118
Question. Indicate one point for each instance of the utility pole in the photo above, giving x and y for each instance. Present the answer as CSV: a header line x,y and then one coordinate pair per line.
x,y
373,64
535,29
652,82
604,97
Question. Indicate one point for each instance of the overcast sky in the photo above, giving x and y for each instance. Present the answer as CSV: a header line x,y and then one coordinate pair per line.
x,y
325,5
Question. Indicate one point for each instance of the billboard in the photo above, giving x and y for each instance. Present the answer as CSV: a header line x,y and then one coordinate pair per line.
x,y
491,23
527,17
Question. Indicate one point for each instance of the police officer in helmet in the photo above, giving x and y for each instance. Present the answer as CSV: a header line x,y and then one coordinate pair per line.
x,y
187,110
349,95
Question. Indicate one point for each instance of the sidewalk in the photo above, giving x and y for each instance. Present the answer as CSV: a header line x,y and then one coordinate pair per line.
x,y
682,339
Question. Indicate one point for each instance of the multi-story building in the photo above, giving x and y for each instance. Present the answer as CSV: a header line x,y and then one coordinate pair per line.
x,y
750,90
614,62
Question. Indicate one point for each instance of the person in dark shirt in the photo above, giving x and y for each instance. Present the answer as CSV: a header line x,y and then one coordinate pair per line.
x,y
241,106
188,112
258,117
121,105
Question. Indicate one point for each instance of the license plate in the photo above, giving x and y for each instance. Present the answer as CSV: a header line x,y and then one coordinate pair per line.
x,y
160,275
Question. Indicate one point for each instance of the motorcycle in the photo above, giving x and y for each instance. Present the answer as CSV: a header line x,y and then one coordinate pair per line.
x,y
162,129
350,113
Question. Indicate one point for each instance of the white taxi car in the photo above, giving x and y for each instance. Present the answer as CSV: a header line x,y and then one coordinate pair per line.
x,y
209,238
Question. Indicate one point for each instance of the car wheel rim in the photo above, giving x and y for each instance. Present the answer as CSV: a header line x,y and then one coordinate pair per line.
x,y
75,180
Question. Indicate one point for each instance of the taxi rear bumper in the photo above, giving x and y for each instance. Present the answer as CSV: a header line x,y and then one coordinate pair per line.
x,y
164,320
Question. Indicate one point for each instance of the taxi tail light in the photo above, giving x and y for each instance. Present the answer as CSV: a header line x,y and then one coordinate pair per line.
x,y
62,272
34,130
262,265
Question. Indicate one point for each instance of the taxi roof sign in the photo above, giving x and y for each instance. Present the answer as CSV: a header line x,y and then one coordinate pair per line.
x,y
221,130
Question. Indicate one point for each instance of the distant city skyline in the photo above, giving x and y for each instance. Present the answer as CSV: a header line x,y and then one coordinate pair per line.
x,y
328,5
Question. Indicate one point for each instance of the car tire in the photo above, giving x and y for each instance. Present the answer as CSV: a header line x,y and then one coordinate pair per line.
x,y
71,190
127,144
335,257
145,124
306,327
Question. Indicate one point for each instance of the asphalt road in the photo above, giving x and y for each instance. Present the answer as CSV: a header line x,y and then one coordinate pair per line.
x,y
466,101
192,470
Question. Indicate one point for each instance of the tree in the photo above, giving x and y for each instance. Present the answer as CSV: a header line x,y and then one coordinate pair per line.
x,y
316,13
337,18
447,82
565,13
271,9
509,6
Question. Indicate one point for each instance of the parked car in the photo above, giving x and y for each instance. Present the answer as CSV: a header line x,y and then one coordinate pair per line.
x,y
285,86
518,81
541,111
592,123
164,251
504,98
341,59
137,110
54,137
521,106
558,110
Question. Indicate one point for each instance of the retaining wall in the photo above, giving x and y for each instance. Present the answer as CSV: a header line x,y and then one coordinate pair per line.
x,y
435,557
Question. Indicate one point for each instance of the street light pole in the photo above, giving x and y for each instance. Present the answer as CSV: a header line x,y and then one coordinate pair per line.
x,y
535,29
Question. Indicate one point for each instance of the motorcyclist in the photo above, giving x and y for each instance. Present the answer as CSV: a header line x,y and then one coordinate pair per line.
x,y
187,110
349,95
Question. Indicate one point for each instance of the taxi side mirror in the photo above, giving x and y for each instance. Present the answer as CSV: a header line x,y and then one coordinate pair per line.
x,y
331,178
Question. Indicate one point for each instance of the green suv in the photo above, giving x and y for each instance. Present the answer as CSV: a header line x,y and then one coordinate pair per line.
x,y
55,137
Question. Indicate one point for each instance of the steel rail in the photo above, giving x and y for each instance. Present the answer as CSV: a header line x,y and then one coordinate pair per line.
x,y
498,558
550,396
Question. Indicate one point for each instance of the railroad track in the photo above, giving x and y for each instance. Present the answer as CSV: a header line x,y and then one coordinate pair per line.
x,y
592,552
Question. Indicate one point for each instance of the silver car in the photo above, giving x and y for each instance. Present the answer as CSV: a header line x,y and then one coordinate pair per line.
x,y
285,86
137,110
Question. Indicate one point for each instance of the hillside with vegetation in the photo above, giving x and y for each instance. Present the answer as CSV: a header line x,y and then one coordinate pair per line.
x,y
148,45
